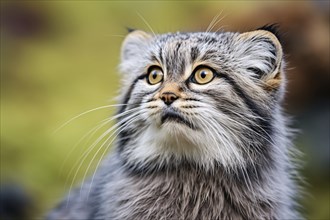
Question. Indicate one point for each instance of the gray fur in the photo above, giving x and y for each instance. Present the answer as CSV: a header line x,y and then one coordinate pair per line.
x,y
232,162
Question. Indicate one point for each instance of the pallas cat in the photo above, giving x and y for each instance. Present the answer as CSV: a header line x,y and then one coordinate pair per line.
x,y
202,133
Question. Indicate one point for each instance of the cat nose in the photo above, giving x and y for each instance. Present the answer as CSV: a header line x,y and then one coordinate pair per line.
x,y
168,97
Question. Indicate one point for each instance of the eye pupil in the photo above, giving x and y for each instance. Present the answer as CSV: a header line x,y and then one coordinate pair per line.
x,y
154,75
203,74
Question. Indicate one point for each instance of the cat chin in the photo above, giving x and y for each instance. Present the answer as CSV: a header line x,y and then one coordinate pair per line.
x,y
173,141
171,135
179,139
174,128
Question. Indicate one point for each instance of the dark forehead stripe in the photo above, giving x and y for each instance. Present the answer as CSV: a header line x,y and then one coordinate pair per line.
x,y
194,53
176,55
154,58
174,58
160,54
210,54
178,45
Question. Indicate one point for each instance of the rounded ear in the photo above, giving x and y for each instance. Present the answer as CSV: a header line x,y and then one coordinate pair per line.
x,y
134,44
261,54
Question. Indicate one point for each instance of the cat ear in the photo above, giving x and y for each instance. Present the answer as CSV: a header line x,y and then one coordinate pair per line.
x,y
134,44
261,54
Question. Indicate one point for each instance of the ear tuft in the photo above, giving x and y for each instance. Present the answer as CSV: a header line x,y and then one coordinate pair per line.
x,y
274,29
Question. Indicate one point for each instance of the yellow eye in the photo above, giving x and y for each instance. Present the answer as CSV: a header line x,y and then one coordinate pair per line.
x,y
155,75
203,75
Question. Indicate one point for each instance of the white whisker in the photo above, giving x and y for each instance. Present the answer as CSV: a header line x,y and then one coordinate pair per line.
x,y
126,123
148,25
86,153
84,113
215,21
91,132
245,118
106,149
90,148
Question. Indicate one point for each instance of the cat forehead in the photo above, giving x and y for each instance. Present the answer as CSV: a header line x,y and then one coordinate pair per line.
x,y
199,37
194,46
175,51
196,39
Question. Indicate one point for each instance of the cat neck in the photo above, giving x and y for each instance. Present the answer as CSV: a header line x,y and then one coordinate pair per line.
x,y
207,191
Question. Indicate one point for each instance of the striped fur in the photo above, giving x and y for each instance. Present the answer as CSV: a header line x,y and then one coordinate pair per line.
x,y
225,156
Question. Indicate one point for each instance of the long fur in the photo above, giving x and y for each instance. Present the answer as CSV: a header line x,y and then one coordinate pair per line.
x,y
230,160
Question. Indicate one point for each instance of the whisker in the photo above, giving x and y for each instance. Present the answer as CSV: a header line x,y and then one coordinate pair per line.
x,y
84,113
101,137
253,123
91,132
215,21
126,123
224,139
93,146
228,141
213,112
249,129
106,149
108,120
211,133
248,182
148,25
221,27
90,148
219,20
212,21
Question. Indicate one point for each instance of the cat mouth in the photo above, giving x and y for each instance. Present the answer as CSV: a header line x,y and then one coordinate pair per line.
x,y
170,115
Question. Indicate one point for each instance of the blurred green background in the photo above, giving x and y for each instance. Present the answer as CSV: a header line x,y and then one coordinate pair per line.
x,y
60,58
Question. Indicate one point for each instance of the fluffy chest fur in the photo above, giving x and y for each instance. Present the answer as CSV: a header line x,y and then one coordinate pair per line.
x,y
178,196
187,193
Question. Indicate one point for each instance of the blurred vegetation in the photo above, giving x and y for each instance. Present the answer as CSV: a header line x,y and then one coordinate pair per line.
x,y
59,58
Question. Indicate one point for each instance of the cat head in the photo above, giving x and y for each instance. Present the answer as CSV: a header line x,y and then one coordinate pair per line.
x,y
202,98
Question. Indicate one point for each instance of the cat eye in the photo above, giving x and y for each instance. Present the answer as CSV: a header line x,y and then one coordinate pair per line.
x,y
203,75
155,75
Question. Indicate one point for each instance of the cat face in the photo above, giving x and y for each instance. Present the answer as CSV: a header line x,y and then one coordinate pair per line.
x,y
204,98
